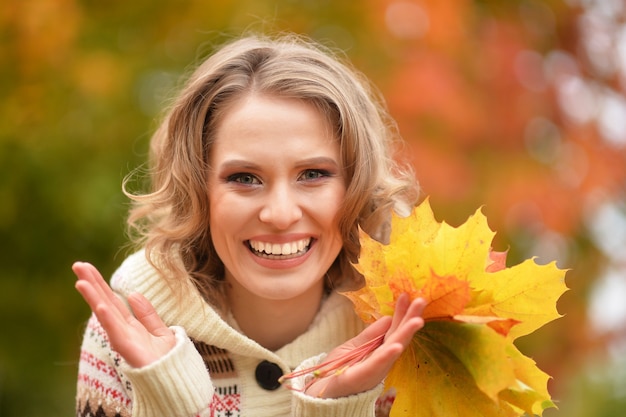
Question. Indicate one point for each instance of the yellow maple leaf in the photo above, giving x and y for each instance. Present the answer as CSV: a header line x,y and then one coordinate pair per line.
x,y
463,362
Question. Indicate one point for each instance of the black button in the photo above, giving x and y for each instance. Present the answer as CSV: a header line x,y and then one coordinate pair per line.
x,y
267,375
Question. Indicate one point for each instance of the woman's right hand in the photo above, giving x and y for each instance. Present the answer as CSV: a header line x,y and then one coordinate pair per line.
x,y
398,331
141,338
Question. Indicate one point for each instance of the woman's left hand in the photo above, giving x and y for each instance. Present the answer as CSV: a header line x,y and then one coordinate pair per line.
x,y
367,374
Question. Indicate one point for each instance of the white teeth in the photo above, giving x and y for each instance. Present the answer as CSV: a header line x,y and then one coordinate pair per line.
x,y
286,249
280,249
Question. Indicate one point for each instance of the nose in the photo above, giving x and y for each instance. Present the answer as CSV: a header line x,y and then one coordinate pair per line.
x,y
281,207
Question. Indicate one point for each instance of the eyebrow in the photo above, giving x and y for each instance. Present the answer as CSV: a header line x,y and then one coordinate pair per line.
x,y
318,160
238,164
246,164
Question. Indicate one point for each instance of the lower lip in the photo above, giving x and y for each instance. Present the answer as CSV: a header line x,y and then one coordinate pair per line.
x,y
282,263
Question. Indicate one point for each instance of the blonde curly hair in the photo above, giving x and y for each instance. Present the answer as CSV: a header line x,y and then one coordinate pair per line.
x,y
172,220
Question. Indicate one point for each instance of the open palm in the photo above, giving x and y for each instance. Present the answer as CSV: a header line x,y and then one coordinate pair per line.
x,y
140,338
395,334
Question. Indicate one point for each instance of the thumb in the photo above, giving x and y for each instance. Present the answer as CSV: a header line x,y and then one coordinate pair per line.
x,y
147,315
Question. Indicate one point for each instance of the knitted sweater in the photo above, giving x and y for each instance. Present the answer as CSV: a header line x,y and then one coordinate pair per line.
x,y
212,369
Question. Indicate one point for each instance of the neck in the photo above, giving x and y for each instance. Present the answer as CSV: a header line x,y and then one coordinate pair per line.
x,y
273,323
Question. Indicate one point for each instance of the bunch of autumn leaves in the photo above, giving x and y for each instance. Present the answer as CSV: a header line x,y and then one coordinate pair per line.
x,y
463,362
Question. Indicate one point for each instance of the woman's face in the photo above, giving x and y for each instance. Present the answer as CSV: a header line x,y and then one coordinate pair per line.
x,y
275,190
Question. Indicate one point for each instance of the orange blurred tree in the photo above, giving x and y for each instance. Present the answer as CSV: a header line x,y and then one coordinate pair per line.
x,y
504,104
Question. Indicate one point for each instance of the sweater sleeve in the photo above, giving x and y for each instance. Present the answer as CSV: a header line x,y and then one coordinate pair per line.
x,y
176,385
101,389
358,405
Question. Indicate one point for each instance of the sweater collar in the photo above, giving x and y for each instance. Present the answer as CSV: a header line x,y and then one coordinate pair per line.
x,y
335,323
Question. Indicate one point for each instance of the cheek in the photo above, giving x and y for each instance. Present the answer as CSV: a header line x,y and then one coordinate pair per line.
x,y
328,208
222,215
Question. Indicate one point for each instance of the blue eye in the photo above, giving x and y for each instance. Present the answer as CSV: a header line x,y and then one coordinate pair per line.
x,y
243,178
314,174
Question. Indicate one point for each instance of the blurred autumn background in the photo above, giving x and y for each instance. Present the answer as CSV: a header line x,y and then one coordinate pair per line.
x,y
516,105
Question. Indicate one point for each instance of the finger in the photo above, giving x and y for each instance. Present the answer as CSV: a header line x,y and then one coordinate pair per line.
x,y
374,330
88,273
89,294
93,275
417,307
112,322
413,310
147,315
88,287
110,311
409,323
402,305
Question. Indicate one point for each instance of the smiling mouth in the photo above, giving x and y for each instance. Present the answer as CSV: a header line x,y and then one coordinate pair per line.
x,y
280,251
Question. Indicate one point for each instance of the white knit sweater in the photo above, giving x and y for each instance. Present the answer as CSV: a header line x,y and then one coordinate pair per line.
x,y
182,383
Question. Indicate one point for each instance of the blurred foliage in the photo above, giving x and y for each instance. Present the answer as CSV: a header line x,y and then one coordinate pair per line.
x,y
484,93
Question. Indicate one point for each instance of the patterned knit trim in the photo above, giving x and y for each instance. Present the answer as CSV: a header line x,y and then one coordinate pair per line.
x,y
216,360
226,402
227,398
87,411
101,388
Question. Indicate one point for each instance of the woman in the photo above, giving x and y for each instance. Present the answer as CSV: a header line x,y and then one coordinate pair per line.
x,y
262,172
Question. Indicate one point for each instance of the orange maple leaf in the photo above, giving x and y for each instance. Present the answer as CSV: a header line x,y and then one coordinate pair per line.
x,y
463,362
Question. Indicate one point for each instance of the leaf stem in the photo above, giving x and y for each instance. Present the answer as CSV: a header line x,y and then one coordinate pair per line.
x,y
337,365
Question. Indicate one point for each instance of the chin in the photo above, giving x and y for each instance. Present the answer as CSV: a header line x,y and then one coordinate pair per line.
x,y
281,292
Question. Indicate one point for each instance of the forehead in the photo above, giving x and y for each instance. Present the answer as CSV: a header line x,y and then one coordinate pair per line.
x,y
269,124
